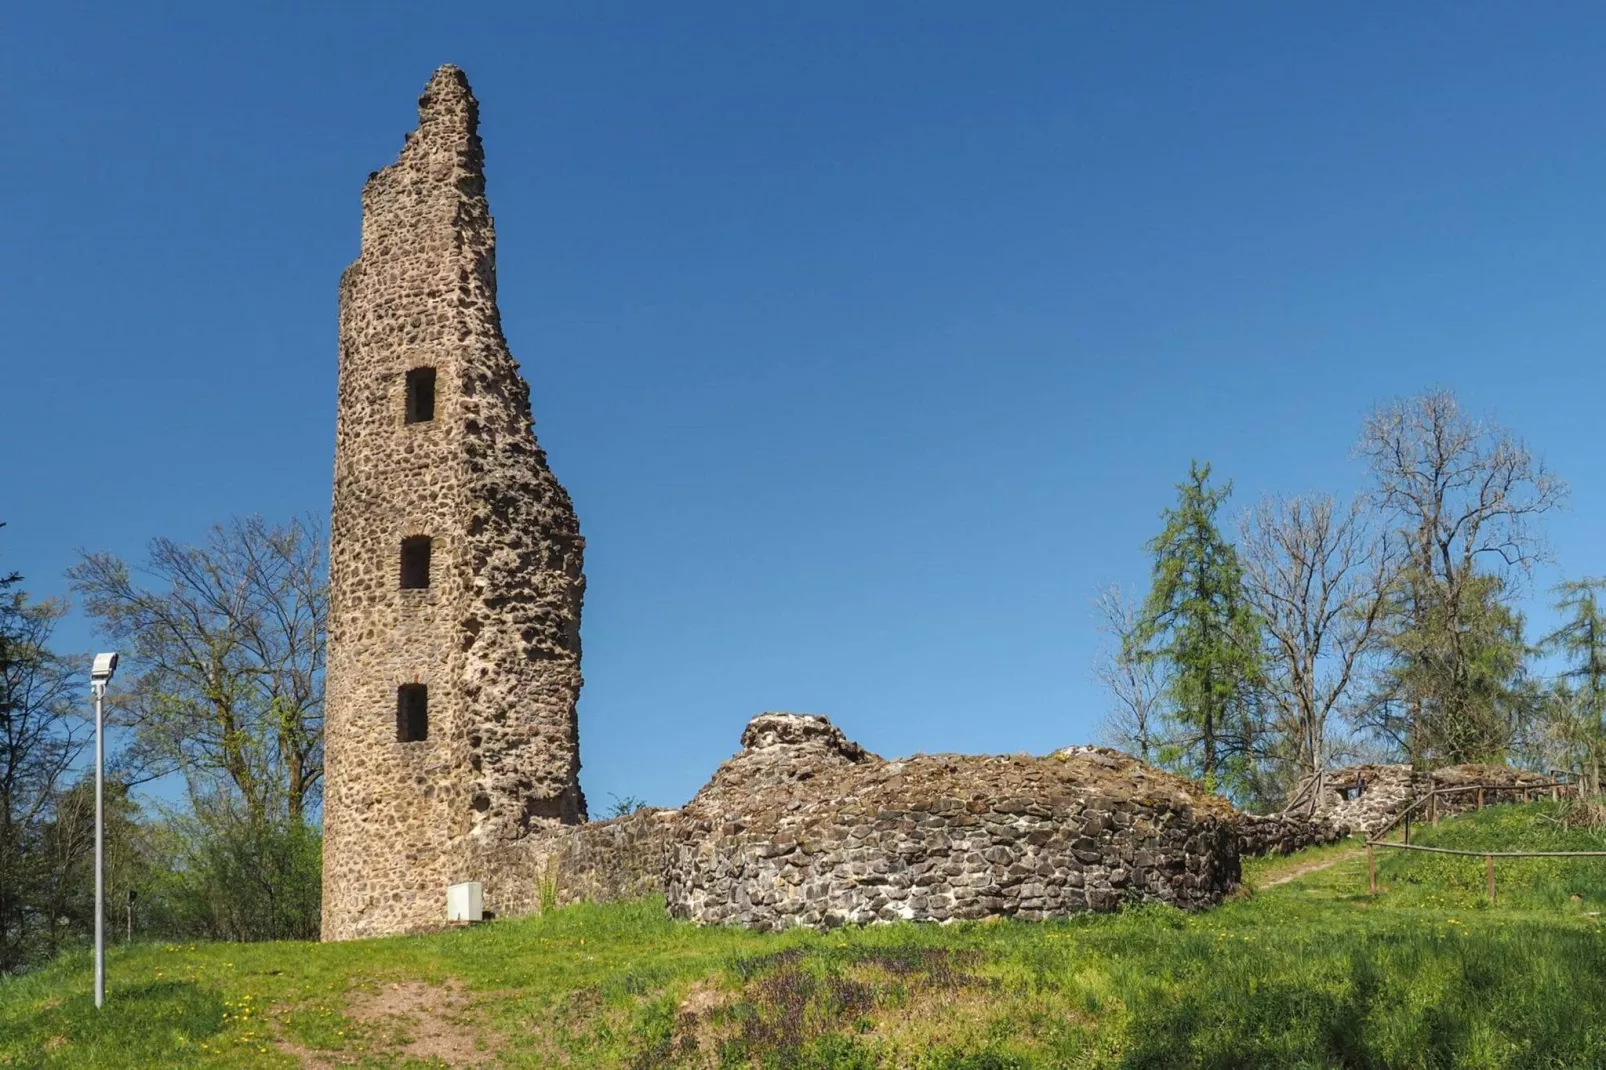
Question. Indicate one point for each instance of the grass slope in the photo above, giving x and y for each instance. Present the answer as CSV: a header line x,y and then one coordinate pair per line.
x,y
1565,886
1308,973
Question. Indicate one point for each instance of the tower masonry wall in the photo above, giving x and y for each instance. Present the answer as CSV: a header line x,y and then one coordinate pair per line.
x,y
495,635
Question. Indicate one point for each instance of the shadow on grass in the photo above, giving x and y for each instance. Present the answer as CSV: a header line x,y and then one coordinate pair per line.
x,y
1408,999
155,1024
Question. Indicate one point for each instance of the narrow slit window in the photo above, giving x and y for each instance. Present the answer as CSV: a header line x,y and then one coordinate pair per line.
x,y
415,562
420,395
412,713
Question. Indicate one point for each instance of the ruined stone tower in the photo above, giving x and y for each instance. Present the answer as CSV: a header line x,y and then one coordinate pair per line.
x,y
455,563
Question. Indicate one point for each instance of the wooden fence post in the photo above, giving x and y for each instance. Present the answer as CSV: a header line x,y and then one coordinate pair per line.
x,y
1480,796
1488,864
1407,826
1371,869
1433,809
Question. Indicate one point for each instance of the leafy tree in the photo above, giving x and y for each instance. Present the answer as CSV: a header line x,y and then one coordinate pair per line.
x,y
220,873
225,649
66,890
223,685
1462,497
1198,623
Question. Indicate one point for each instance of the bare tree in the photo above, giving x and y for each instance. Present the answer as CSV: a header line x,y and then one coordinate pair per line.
x,y
1463,496
227,648
1137,684
1316,576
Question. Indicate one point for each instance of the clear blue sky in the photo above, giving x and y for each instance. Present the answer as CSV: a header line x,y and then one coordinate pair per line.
x,y
869,339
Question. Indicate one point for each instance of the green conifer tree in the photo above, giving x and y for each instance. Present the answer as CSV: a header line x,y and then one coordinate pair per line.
x,y
1582,641
1197,621
1452,686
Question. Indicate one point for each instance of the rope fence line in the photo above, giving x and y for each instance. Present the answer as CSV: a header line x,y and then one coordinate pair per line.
x,y
1430,799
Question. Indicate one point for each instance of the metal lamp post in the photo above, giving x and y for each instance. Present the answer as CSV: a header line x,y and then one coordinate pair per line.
x,y
99,675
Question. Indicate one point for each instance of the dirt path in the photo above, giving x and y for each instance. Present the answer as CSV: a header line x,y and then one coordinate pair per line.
x,y
1310,867
411,1020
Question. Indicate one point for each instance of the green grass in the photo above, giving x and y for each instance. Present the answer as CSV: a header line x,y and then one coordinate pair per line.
x,y
1309,973
1548,885
1269,869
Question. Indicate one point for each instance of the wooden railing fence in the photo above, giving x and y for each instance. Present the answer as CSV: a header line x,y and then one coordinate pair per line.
x,y
1430,801
1556,788
1310,793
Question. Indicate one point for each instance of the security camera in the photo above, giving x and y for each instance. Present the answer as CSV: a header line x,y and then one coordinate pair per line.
x,y
105,665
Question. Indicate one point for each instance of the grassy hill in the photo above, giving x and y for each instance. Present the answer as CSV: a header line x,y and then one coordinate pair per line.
x,y
1306,971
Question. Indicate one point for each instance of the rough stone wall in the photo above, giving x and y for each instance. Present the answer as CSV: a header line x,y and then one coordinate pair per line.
x,y
1285,833
606,860
804,827
495,635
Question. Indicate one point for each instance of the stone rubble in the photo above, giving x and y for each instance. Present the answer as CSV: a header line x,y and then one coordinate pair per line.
x,y
804,827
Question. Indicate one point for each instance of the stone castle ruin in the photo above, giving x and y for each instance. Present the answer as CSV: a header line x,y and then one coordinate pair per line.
x,y
452,749
455,561
805,827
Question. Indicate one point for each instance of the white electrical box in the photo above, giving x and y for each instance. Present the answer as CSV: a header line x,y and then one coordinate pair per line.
x,y
465,902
